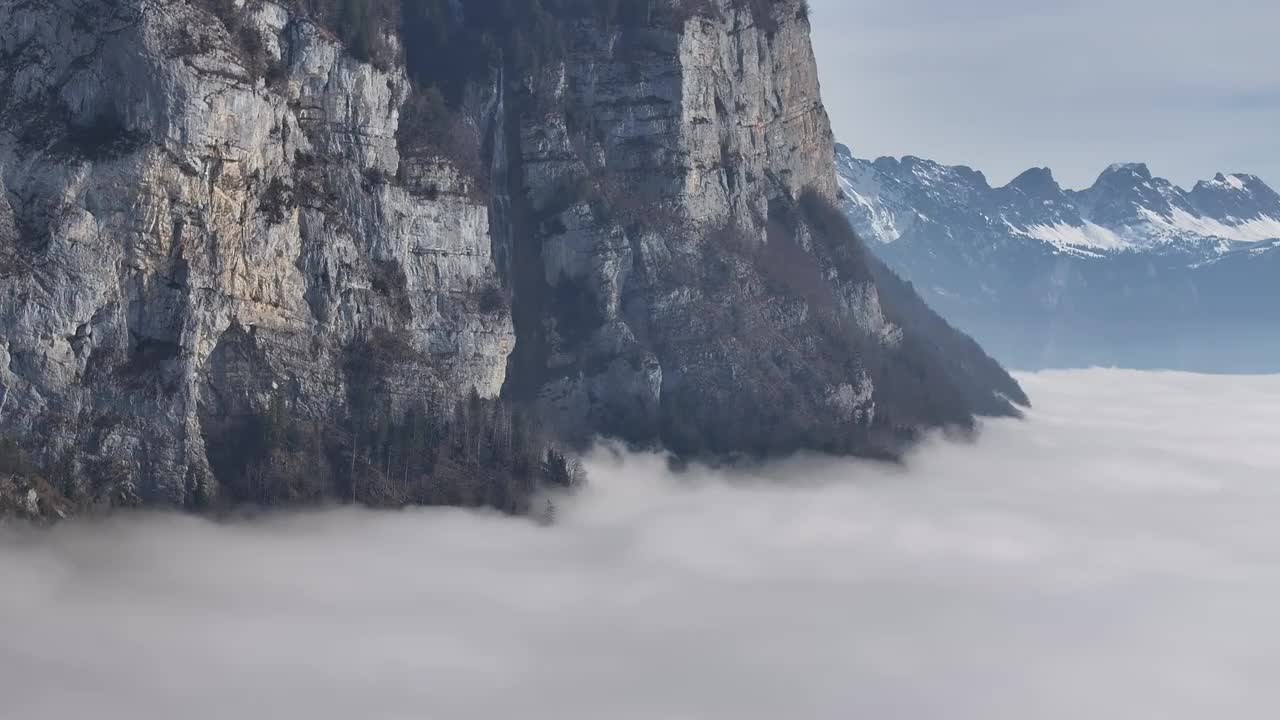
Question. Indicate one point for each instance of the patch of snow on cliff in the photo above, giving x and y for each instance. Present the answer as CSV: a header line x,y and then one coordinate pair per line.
x,y
1254,229
1089,235
863,187
880,220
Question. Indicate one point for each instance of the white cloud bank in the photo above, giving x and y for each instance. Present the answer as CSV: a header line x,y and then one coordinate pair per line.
x,y
1116,556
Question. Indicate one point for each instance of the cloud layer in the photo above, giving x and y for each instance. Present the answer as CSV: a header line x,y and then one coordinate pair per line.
x,y
1116,556
1187,86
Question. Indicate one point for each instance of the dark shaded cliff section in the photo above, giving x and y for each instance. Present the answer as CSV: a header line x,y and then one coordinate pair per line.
x,y
962,359
757,335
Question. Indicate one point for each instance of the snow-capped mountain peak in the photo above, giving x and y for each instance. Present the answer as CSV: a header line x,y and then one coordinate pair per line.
x,y
1136,169
1036,185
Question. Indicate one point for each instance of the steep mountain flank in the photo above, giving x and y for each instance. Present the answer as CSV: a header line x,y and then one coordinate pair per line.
x,y
278,252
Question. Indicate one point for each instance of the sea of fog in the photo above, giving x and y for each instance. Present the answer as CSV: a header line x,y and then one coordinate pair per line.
x,y
1116,555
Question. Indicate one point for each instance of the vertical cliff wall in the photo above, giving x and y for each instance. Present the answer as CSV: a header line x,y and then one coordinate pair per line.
x,y
190,240
641,149
210,212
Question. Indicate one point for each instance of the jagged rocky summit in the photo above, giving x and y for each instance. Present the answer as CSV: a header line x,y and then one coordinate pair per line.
x,y
253,252
1133,271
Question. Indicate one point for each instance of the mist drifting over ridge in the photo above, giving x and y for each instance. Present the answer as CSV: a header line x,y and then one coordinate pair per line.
x,y
1113,556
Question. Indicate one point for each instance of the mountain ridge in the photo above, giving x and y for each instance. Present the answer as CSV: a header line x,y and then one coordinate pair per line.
x,y
1126,208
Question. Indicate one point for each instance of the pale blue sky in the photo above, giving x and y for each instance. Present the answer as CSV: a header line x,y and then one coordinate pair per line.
x,y
1190,87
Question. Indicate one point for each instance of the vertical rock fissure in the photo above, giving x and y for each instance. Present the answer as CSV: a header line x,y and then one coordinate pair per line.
x,y
500,231
523,272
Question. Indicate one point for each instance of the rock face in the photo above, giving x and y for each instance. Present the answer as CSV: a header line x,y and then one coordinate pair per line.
x,y
727,117
190,241
192,225
1133,271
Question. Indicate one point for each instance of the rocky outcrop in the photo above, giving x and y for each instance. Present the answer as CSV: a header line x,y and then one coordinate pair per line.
x,y
203,220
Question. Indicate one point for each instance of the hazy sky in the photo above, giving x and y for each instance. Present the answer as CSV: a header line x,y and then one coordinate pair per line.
x,y
1113,557
1188,86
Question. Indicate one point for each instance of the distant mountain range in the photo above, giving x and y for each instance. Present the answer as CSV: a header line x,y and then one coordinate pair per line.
x,y
1133,271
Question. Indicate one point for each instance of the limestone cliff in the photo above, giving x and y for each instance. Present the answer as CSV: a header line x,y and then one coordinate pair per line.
x,y
190,241
198,220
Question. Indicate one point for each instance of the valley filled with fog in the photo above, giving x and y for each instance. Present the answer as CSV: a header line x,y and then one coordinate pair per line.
x,y
1115,555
